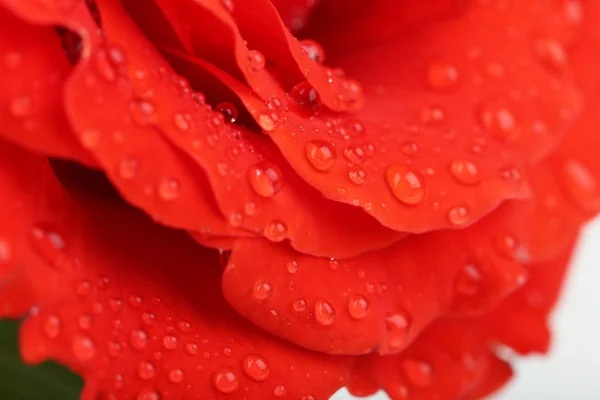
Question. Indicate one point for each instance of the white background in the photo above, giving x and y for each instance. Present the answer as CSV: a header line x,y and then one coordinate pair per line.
x,y
572,370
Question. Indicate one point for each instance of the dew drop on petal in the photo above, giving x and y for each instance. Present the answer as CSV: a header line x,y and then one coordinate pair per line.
x,y
468,282
227,5
357,176
406,184
176,375
266,179
358,307
398,327
228,110
276,231
299,305
83,348
48,243
355,154
191,348
262,290
256,60
51,327
143,112
305,95
551,53
256,367
146,370
418,373
148,394
458,215
225,380
314,50
169,342
321,155
128,168
279,391
442,76
496,118
90,138
292,266
580,185
168,189
181,122
506,245
138,339
324,312
465,172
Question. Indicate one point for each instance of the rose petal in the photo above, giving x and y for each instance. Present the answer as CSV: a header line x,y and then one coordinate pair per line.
x,y
128,324
33,71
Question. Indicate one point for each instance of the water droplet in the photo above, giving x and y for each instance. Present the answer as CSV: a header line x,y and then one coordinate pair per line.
x,y
168,189
227,5
580,185
225,380
83,348
321,155
266,179
148,318
506,245
398,327
143,112
406,184
256,367
148,394
90,138
496,118
262,290
52,327
292,266
305,95
146,370
314,50
432,115
417,372
84,322
468,281
465,172
276,231
358,307
170,342
324,312
410,148
551,53
48,243
299,305
268,121
128,168
279,391
21,106
256,60
176,375
458,215
228,110
192,348
181,122
442,76
357,176
235,219
355,154
138,339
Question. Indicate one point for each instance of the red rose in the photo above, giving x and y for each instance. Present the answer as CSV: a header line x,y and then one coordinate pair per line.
x,y
384,222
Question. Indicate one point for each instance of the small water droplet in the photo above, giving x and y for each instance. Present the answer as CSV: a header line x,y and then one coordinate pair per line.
x,y
148,318
355,154
138,339
432,115
114,349
143,112
266,179
262,290
398,327
192,348
314,50
279,391
305,95
468,281
235,219
256,60
551,53
21,106
324,312
48,243
176,375
580,185
128,168
465,172
458,215
90,138
256,367
169,342
181,122
299,305
276,231
442,76
410,148
358,307
357,176
84,322
321,155
225,380
148,394
506,245
168,189
146,370
292,266
407,185
83,348
419,373
496,117
52,327
228,110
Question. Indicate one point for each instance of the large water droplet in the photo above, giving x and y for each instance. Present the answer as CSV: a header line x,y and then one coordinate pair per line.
x,y
465,172
406,184
321,155
262,290
138,339
276,231
256,60
225,380
256,367
417,372
266,179
324,312
228,110
442,76
83,348
305,95
170,342
398,327
358,307
314,50
458,215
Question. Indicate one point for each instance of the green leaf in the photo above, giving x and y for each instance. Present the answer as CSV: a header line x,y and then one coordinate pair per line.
x,y
18,381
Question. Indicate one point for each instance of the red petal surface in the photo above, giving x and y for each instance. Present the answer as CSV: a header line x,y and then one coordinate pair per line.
x,y
33,71
388,296
138,311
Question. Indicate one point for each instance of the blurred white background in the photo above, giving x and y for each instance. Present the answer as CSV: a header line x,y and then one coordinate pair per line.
x,y
572,369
